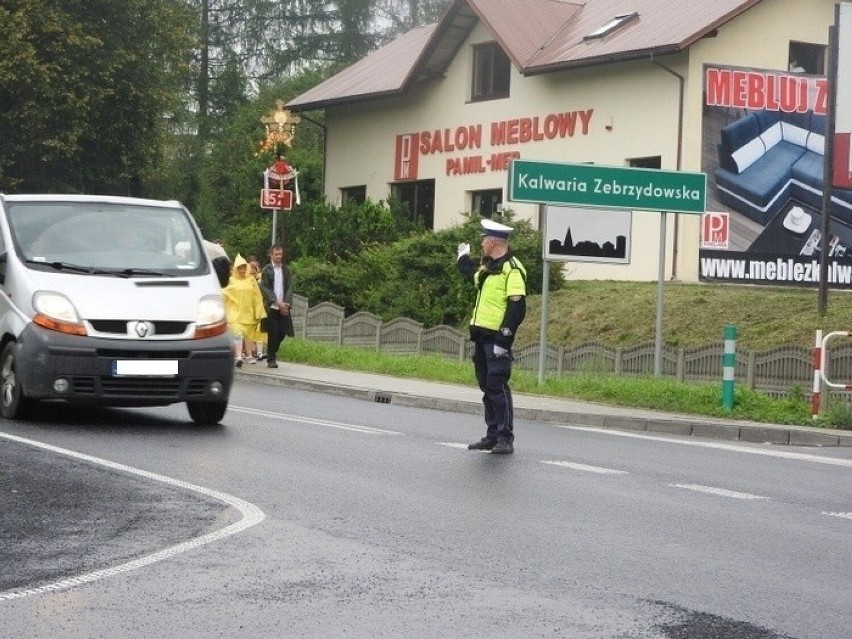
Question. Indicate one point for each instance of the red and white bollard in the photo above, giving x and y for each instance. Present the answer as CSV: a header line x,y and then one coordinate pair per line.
x,y
817,363
820,351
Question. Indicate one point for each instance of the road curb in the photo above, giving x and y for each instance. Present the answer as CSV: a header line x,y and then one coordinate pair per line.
x,y
709,429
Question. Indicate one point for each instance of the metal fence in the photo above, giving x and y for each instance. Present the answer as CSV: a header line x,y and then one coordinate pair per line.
x,y
775,371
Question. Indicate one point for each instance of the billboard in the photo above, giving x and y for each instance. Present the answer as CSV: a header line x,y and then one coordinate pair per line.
x,y
763,145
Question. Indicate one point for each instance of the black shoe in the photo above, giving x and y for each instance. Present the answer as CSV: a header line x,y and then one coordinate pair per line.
x,y
482,444
502,448
272,364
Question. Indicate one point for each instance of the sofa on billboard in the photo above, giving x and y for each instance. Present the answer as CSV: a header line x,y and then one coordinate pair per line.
x,y
768,157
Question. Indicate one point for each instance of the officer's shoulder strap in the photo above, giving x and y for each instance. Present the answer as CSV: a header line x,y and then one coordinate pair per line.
x,y
515,265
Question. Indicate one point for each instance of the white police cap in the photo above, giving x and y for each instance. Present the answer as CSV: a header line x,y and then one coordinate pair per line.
x,y
490,228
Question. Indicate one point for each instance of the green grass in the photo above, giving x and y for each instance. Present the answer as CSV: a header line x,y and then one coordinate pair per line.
x,y
624,314
639,392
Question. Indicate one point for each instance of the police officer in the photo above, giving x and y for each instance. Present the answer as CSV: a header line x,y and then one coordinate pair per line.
x,y
500,308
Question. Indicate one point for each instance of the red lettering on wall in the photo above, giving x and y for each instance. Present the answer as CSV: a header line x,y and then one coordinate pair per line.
x,y
585,120
755,90
500,161
821,100
465,165
739,80
717,87
555,125
516,131
445,140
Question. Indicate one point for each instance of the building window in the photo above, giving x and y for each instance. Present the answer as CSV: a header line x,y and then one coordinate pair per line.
x,y
807,58
420,198
353,195
491,71
650,162
611,26
487,203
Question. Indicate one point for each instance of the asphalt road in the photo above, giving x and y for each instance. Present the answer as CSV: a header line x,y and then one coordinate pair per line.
x,y
310,515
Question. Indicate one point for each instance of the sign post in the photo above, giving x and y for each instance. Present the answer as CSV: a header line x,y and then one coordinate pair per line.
x,y
611,187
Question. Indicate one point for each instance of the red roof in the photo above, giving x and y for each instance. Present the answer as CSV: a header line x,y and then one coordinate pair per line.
x,y
539,36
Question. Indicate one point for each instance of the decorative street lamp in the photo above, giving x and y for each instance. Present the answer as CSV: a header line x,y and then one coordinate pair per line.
x,y
280,129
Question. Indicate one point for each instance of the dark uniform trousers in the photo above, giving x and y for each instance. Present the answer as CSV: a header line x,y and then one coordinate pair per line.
x,y
277,326
492,374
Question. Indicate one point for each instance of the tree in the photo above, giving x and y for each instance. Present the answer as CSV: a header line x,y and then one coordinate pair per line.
x,y
404,15
330,31
84,88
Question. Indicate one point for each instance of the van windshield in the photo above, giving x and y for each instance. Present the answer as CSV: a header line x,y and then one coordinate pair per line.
x,y
107,236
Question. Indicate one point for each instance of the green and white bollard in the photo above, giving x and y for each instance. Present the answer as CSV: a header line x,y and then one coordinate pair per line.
x,y
729,367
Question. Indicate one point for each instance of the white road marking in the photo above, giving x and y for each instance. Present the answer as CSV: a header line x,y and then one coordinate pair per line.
x,y
584,467
356,428
721,492
251,516
718,445
452,445
836,514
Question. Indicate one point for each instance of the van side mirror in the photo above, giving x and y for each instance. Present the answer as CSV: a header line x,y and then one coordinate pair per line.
x,y
3,259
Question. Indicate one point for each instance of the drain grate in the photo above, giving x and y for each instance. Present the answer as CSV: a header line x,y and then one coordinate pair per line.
x,y
382,398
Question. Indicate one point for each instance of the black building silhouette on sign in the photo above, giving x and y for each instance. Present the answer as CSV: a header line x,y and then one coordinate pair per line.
x,y
587,248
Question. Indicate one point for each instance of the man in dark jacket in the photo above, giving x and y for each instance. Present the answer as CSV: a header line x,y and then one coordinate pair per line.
x,y
276,284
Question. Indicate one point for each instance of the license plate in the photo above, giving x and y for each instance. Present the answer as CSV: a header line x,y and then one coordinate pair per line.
x,y
146,367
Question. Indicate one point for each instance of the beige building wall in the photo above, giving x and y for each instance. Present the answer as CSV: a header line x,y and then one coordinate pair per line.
x,y
638,101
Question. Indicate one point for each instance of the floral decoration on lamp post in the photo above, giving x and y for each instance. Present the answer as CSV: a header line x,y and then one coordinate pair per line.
x,y
280,126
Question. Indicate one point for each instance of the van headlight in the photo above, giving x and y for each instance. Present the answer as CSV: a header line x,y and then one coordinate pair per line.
x,y
210,318
55,312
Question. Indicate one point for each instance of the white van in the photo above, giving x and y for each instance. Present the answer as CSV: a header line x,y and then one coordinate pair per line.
x,y
109,301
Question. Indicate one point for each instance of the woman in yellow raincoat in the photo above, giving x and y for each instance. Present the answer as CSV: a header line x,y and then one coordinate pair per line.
x,y
259,336
245,308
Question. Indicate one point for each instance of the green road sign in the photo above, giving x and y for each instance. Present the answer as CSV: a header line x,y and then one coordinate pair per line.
x,y
607,187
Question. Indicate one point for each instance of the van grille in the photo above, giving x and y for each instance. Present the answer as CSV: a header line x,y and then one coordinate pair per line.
x,y
119,327
83,385
139,387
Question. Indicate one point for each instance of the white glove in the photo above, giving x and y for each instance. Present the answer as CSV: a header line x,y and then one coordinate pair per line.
x,y
499,351
463,249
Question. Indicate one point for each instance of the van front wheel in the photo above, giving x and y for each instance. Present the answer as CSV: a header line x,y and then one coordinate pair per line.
x,y
207,413
13,403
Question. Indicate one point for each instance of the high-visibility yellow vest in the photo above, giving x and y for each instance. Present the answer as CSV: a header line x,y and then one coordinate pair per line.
x,y
494,291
